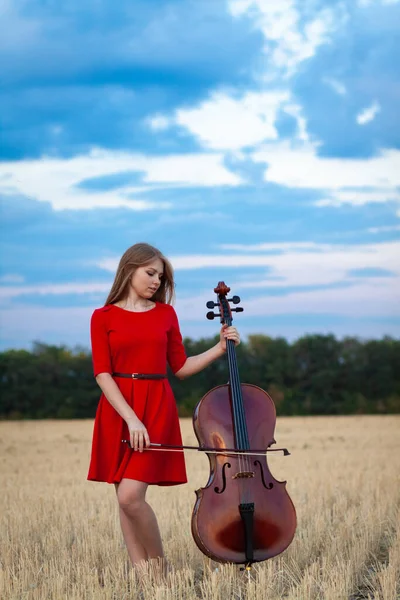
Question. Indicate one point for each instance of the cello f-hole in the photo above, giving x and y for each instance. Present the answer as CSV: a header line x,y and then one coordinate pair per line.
x,y
268,486
216,489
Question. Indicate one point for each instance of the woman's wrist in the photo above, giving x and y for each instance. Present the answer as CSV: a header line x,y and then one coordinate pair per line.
x,y
130,418
221,349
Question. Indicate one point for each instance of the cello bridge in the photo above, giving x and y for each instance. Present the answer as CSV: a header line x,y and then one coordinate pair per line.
x,y
243,475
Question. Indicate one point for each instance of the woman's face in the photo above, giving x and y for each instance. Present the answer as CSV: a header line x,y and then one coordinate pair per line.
x,y
147,279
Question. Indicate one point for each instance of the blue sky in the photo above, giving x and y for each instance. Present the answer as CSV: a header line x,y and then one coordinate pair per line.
x,y
253,142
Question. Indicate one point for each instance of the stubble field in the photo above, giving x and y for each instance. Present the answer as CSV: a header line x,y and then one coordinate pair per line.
x,y
60,536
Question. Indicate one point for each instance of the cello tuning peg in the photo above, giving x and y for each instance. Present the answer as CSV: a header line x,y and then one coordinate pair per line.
x,y
238,309
211,304
234,299
211,315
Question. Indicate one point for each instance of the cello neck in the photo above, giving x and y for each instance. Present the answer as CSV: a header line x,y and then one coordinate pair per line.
x,y
238,412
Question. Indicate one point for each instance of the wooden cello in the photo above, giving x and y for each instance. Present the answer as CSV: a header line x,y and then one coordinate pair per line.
x,y
243,515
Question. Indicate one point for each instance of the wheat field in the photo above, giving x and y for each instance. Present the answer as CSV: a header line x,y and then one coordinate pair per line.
x,y
60,535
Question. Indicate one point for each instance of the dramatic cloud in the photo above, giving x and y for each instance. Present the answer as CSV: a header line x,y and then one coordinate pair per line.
x,y
251,140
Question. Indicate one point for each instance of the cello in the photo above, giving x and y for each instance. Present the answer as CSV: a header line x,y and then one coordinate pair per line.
x,y
243,515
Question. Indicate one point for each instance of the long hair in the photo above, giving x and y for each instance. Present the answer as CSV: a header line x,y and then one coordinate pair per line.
x,y
136,256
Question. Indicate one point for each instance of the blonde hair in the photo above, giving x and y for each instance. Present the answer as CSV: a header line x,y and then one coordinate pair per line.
x,y
136,256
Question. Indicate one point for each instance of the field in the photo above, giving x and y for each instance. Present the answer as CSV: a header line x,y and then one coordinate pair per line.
x,y
60,536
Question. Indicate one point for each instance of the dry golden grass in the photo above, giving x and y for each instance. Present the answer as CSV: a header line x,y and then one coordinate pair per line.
x,y
60,536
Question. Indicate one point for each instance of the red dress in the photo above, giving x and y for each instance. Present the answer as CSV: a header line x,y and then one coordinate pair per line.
x,y
137,342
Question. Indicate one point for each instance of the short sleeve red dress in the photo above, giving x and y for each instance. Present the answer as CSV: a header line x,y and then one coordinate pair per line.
x,y
137,342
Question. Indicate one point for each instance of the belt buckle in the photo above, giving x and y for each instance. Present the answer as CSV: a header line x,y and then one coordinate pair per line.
x,y
134,375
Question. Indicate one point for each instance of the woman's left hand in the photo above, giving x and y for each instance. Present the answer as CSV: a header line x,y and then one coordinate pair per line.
x,y
228,333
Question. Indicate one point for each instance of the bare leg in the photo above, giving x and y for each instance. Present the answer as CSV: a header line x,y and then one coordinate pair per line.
x,y
138,522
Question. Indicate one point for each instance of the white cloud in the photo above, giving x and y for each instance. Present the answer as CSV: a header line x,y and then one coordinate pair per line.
x,y
231,123
57,180
204,170
289,39
368,114
301,167
224,122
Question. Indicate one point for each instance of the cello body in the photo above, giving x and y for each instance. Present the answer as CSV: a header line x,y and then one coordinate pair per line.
x,y
243,514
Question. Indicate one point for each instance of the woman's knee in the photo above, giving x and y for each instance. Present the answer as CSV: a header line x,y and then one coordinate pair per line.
x,y
130,498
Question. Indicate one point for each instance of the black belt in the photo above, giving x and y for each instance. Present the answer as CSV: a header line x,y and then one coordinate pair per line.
x,y
141,375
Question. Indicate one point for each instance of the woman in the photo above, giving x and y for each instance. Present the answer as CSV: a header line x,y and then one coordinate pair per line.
x,y
133,337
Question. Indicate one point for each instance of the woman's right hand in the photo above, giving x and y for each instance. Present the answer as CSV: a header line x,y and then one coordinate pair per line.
x,y
138,435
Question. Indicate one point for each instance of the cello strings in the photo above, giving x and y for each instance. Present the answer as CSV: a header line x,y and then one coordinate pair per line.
x,y
234,392
242,440
241,433
240,417
246,443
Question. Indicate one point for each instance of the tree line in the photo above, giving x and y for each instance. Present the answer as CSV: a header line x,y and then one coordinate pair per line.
x,y
315,375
